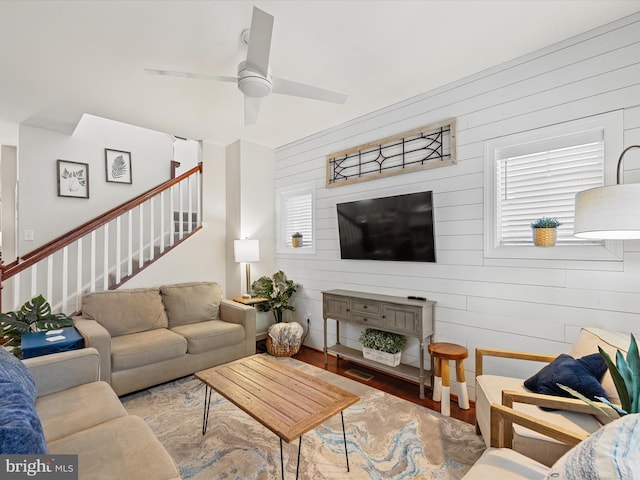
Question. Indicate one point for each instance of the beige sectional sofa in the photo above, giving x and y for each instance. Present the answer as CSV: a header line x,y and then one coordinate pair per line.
x,y
81,415
147,336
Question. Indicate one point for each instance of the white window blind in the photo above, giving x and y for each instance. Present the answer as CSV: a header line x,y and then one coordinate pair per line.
x,y
541,180
298,217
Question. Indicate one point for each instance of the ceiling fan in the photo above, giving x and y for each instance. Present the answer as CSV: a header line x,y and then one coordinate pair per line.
x,y
254,77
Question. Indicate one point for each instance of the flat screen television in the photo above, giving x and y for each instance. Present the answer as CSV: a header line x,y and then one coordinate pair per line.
x,y
397,228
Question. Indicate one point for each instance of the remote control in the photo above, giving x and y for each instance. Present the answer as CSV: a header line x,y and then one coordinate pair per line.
x,y
413,297
56,338
54,332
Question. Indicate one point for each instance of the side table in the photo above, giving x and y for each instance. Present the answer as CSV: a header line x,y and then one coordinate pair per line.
x,y
442,352
38,343
261,325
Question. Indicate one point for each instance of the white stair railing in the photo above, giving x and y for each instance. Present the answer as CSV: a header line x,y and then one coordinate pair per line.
x,y
105,252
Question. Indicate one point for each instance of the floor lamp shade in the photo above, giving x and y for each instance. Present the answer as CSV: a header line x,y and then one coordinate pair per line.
x,y
246,251
611,212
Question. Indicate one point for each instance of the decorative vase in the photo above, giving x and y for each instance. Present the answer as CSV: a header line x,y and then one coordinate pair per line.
x,y
296,241
544,237
277,315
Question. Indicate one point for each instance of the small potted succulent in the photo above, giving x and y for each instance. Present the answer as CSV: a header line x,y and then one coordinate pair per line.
x,y
296,240
381,346
545,231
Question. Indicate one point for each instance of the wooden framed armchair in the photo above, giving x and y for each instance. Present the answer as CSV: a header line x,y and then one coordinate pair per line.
x,y
575,416
611,452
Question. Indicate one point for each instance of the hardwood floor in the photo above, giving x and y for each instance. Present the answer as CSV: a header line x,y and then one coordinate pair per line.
x,y
389,384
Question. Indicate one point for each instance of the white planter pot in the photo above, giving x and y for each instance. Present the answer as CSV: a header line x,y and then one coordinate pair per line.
x,y
391,359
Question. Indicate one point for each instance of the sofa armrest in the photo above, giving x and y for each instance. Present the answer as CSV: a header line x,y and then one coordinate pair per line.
x,y
244,315
503,418
61,371
494,352
96,336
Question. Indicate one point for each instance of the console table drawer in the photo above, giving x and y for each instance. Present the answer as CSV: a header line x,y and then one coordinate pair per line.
x,y
371,308
371,320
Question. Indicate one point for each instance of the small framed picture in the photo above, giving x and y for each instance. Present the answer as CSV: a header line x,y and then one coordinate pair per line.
x,y
73,179
118,166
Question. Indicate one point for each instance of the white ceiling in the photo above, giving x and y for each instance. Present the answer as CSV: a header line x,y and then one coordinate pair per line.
x,y
59,59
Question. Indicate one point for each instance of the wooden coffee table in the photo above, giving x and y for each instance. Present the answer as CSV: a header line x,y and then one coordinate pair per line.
x,y
285,400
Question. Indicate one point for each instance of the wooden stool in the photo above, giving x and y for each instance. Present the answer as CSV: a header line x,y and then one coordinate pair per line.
x,y
442,352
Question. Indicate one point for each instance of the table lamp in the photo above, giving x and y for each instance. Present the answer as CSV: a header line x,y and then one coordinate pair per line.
x,y
611,212
246,251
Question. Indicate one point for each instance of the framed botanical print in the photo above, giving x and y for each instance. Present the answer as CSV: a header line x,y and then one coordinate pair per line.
x,y
73,179
118,166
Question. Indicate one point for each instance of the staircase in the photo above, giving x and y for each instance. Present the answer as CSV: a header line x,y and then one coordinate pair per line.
x,y
105,252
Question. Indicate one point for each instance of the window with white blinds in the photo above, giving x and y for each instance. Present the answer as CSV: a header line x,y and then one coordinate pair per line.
x,y
296,216
544,182
537,173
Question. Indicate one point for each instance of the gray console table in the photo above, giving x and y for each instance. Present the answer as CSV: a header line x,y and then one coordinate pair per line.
x,y
384,312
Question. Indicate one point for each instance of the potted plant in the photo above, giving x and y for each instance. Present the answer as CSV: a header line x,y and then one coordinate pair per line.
x,y
544,231
381,346
296,240
277,289
35,315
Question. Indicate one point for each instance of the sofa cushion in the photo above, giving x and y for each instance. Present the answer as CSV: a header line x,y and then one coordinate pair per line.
x,y
610,341
65,412
581,374
123,312
193,302
123,448
144,348
206,336
611,452
20,428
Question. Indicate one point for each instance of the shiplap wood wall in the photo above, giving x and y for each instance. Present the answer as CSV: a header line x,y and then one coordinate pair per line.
x,y
525,305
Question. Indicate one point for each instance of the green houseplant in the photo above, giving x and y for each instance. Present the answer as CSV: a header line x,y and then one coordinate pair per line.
x,y
381,346
35,315
277,289
544,231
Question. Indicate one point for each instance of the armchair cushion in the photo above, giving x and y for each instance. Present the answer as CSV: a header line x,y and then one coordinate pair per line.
x,y
588,342
611,452
582,374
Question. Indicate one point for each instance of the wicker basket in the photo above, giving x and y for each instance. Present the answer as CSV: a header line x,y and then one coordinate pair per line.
x,y
281,350
544,237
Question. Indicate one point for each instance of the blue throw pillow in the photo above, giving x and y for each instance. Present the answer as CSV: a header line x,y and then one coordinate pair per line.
x,y
14,371
583,375
20,428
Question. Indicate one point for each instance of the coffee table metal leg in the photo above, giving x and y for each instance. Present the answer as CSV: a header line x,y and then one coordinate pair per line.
x,y
344,437
207,404
282,459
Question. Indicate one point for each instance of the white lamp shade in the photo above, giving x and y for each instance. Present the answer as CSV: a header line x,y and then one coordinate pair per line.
x,y
611,212
247,250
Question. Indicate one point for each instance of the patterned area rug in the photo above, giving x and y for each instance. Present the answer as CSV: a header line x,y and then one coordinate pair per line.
x,y
387,437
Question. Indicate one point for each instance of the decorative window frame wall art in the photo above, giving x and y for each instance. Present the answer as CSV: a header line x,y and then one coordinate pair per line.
x,y
118,166
73,179
426,147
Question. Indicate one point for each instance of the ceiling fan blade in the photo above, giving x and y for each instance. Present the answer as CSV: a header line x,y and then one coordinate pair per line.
x,y
288,87
260,41
203,76
251,109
